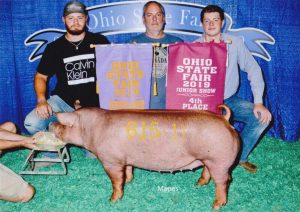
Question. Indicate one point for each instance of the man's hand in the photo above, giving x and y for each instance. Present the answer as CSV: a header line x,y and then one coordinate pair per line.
x,y
28,143
43,109
77,104
262,113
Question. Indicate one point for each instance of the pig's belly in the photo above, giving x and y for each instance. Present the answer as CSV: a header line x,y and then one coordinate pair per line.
x,y
168,165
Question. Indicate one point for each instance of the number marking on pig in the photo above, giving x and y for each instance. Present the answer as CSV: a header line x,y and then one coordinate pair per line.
x,y
143,131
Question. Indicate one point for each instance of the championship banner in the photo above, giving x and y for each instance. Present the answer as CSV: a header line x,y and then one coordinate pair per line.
x,y
196,76
124,75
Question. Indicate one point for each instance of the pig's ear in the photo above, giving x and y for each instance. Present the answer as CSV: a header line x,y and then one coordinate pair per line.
x,y
68,119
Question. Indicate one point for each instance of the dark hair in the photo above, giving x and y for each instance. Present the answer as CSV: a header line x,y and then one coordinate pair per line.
x,y
154,2
210,9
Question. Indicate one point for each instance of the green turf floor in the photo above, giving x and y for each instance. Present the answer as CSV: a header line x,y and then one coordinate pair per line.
x,y
86,187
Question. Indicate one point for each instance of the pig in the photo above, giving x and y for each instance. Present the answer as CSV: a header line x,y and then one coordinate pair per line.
x,y
160,140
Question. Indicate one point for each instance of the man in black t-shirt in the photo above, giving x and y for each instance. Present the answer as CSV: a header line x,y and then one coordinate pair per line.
x,y
73,62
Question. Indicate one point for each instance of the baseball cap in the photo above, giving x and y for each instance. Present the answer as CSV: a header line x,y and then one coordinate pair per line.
x,y
74,7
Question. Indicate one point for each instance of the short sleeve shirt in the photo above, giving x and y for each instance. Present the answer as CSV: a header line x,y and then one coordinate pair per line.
x,y
75,69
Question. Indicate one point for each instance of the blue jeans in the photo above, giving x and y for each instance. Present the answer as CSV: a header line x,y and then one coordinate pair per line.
x,y
243,112
33,123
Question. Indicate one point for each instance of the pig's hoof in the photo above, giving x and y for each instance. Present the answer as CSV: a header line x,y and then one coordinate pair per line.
x,y
218,204
202,182
115,197
128,179
113,200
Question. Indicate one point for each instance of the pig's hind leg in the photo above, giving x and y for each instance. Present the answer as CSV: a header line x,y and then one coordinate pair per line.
x,y
221,179
117,177
129,174
205,177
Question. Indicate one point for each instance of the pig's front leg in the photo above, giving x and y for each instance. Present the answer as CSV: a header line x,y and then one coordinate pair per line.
x,y
116,174
129,174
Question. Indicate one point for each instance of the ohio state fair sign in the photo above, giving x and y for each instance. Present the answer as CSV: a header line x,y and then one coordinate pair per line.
x,y
196,76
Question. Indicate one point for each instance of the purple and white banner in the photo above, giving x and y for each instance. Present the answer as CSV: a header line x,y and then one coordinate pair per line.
x,y
124,75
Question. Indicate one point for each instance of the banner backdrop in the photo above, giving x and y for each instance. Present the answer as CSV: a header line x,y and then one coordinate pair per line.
x,y
124,77
270,29
196,76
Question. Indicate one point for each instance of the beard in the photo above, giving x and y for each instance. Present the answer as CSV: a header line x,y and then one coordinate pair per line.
x,y
76,31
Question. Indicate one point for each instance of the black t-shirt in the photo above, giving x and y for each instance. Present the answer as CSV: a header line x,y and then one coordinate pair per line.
x,y
75,69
